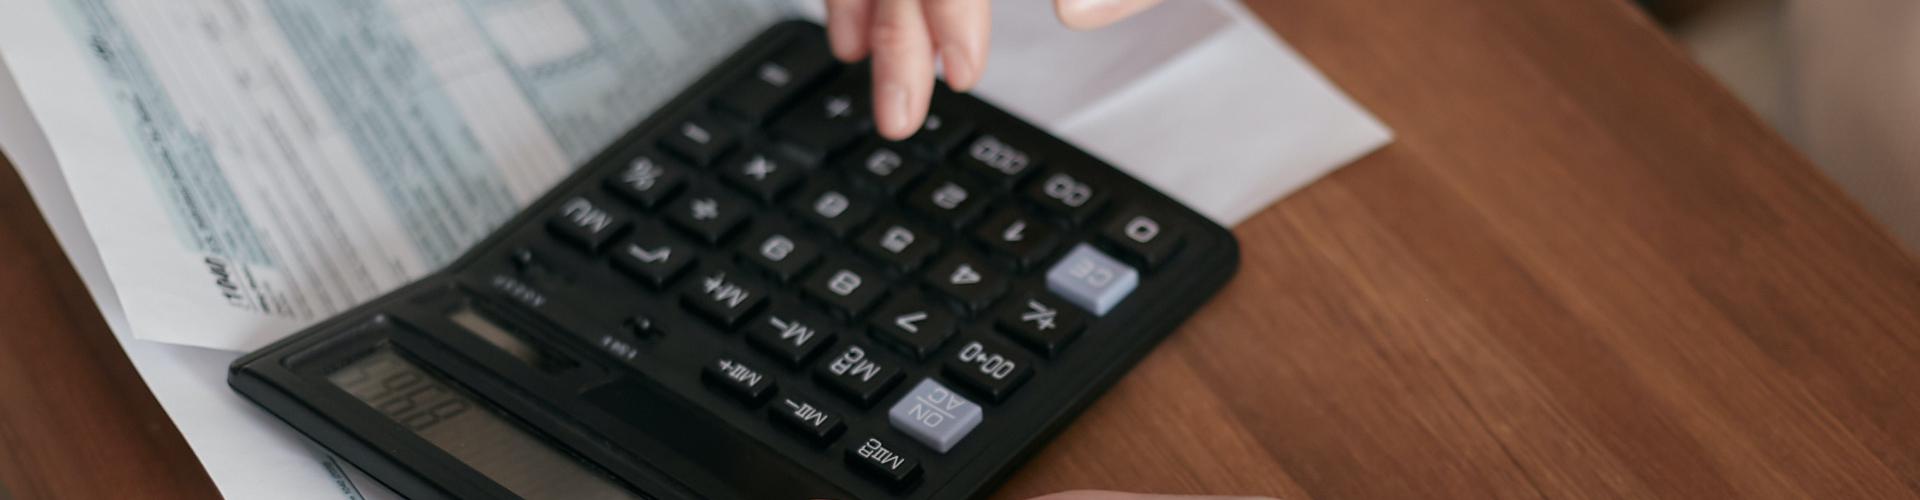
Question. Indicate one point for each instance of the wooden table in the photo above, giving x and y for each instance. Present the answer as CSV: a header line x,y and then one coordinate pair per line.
x,y
1583,271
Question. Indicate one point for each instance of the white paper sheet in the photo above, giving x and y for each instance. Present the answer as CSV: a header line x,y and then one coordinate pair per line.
x,y
252,166
1223,97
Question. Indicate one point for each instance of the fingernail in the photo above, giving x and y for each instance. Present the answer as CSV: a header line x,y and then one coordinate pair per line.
x,y
1080,7
960,72
893,117
1084,14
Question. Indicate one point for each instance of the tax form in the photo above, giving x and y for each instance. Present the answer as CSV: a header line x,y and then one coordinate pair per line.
x,y
224,172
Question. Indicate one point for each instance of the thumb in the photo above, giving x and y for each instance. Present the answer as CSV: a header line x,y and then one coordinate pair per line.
x,y
1090,14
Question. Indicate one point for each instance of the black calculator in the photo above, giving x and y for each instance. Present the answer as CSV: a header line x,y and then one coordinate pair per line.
x,y
752,296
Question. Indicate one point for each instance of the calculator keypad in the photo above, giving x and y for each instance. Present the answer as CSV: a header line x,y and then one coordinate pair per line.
x,y
924,280
898,318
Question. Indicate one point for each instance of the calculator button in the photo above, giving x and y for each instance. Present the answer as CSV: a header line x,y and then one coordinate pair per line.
x,y
989,367
721,295
833,209
709,213
828,121
935,415
1091,279
764,176
735,378
854,372
1015,234
912,324
789,335
1040,321
653,255
899,243
648,181
884,166
949,198
700,140
774,80
779,250
883,462
968,279
818,426
997,160
1073,198
585,224
1143,235
940,132
847,287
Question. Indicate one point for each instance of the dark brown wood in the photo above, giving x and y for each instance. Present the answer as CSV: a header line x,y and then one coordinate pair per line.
x,y
75,419
1584,270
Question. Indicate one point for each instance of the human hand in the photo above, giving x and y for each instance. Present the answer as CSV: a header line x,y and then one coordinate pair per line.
x,y
904,36
1113,495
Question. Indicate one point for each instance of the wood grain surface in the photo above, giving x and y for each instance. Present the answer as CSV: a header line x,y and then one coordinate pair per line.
x,y
1583,271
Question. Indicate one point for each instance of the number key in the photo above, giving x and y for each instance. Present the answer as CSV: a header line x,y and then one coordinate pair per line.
x,y
834,209
1148,237
949,198
1070,196
779,250
884,166
1013,233
968,279
913,325
997,160
903,244
848,287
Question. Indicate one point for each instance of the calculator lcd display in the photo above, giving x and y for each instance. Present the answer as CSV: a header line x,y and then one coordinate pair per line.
x,y
471,432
